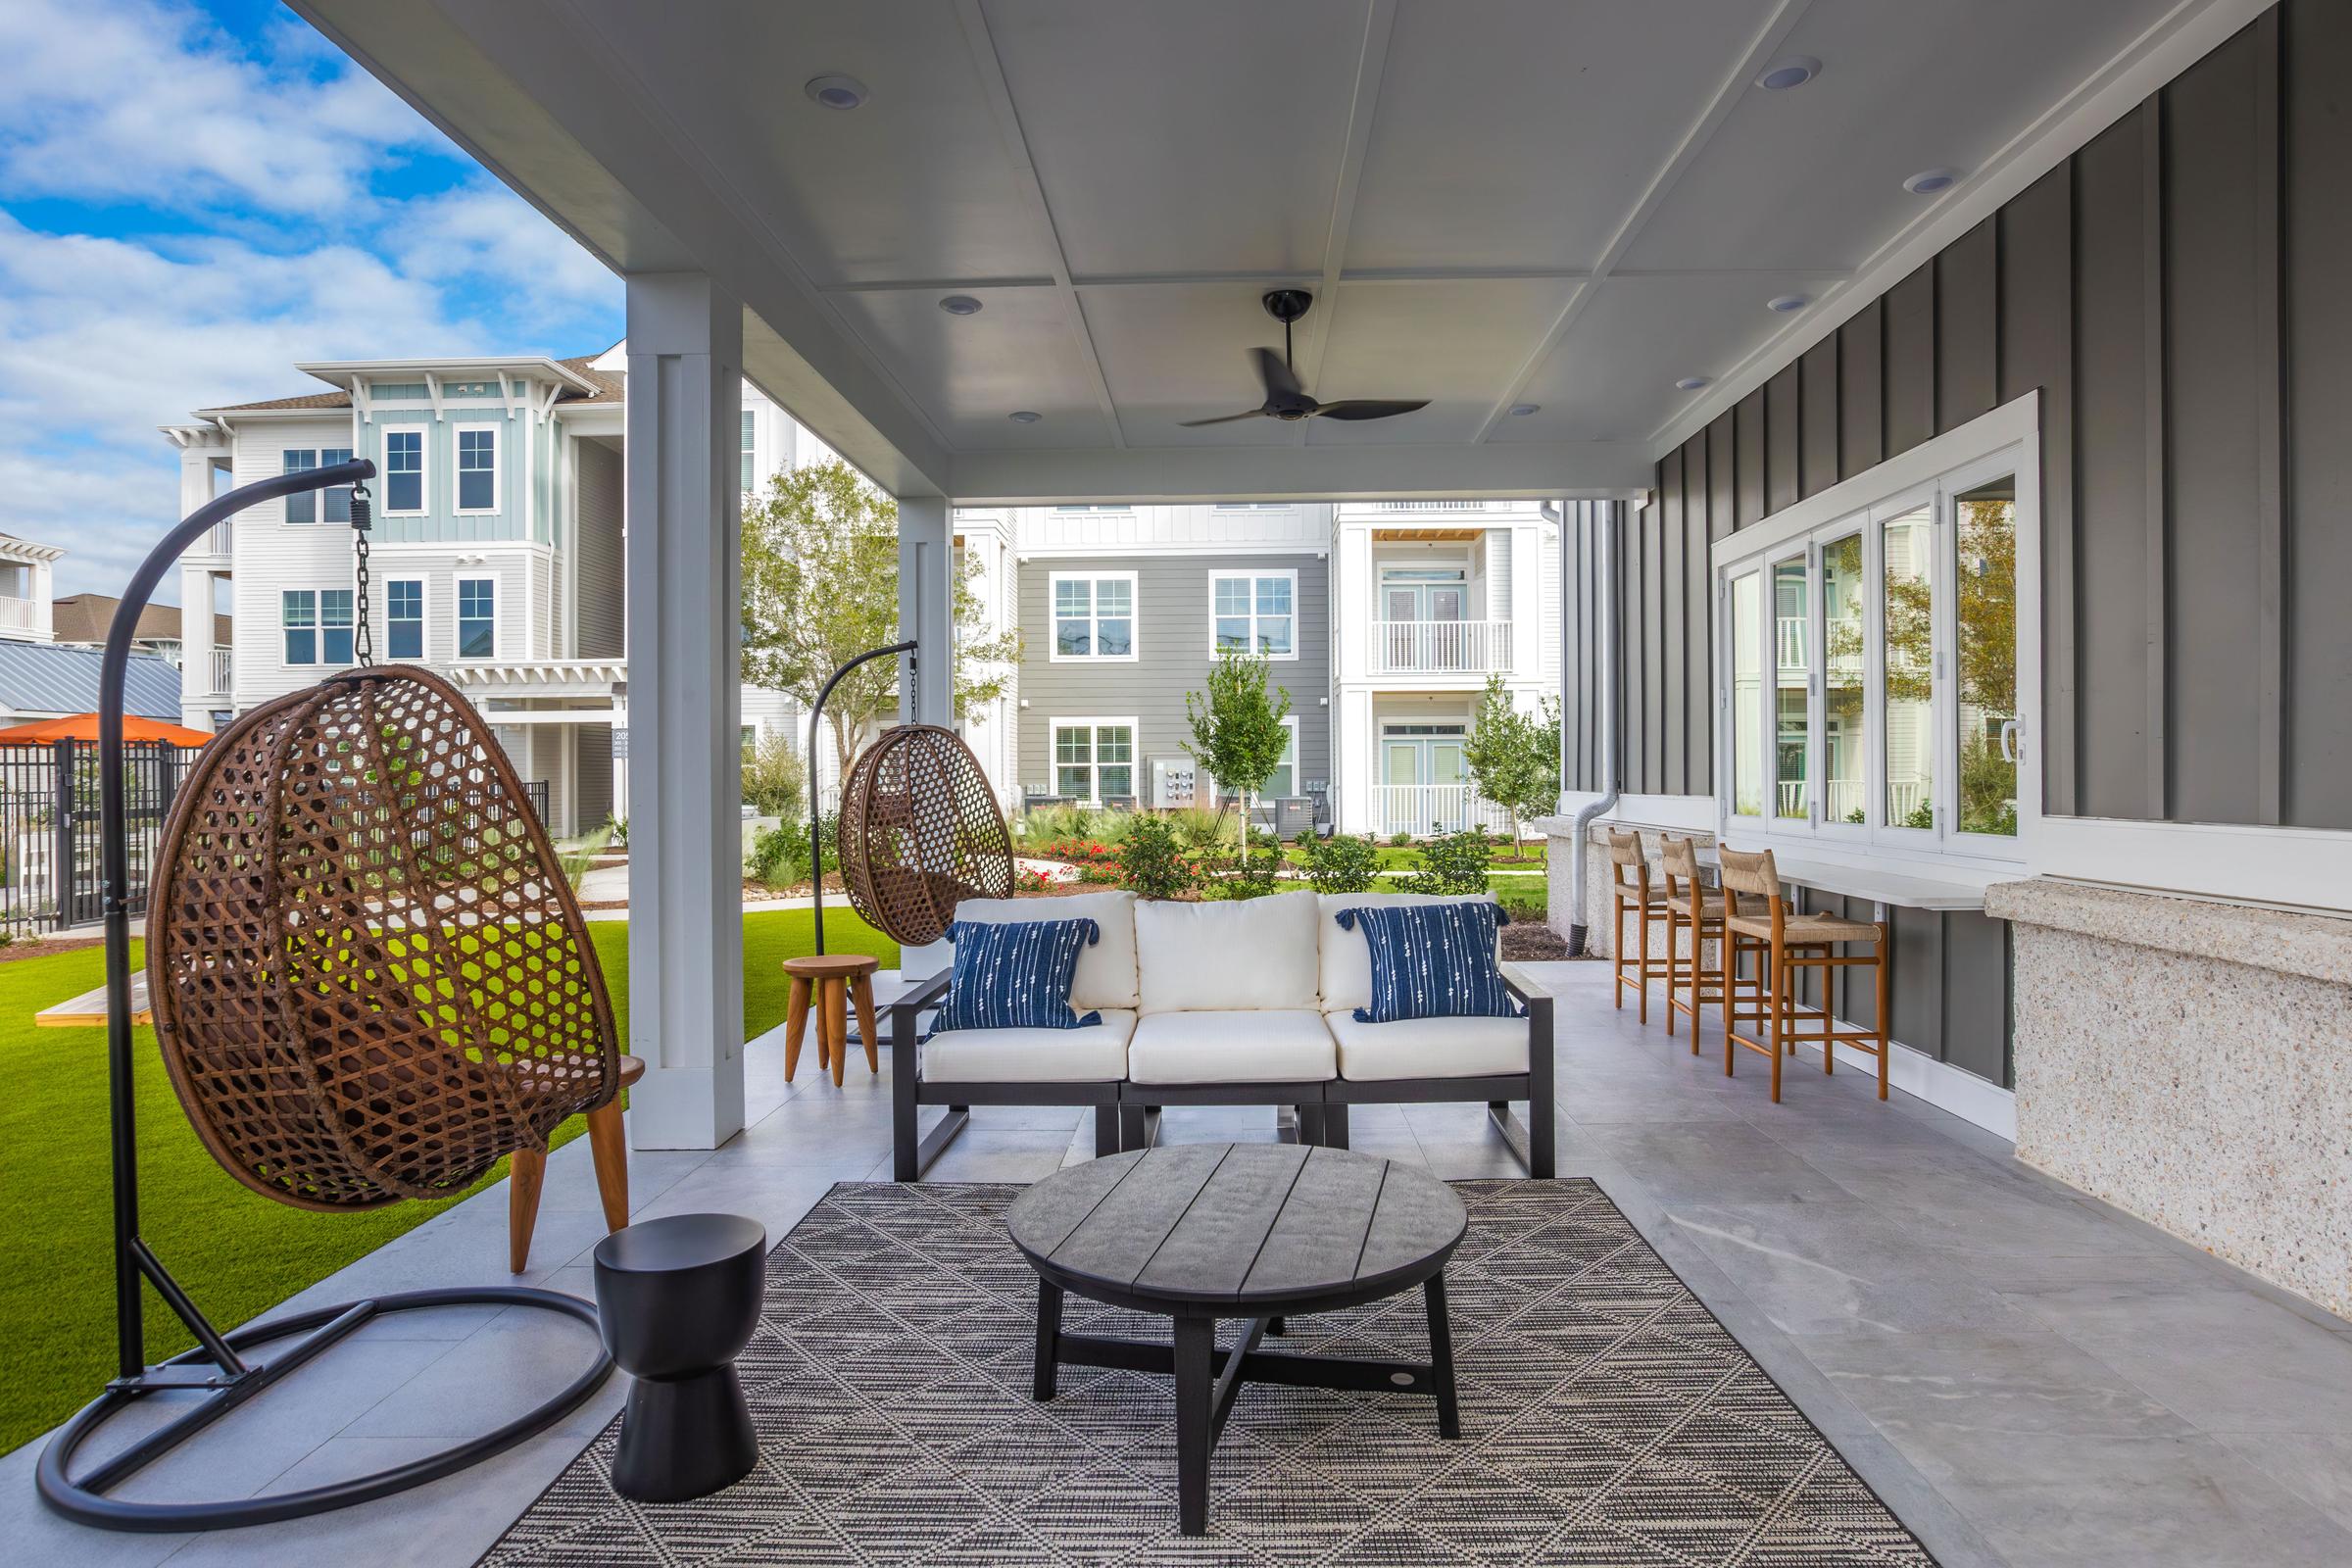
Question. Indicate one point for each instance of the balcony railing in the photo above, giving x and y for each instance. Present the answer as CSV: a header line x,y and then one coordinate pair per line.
x,y
1433,506
20,614
1424,810
1441,646
1848,797
222,665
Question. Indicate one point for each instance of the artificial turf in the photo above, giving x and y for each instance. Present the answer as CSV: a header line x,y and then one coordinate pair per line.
x,y
237,1252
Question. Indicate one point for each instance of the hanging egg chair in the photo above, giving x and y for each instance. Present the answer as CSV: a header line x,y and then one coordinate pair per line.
x,y
368,974
920,832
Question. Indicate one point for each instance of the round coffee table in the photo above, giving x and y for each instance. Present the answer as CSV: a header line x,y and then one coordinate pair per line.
x,y
1197,1232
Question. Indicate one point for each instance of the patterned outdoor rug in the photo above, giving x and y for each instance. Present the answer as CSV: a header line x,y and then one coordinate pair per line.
x,y
1607,1418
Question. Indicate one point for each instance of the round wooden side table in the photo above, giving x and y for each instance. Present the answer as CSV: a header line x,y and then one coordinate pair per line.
x,y
825,983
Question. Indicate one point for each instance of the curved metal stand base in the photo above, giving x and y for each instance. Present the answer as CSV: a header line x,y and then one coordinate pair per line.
x,y
83,1500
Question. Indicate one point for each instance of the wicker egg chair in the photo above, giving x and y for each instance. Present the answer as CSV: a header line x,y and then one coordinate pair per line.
x,y
368,974
920,832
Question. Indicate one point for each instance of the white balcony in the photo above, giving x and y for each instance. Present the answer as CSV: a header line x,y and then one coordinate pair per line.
x,y
222,665
1441,646
22,614
1427,810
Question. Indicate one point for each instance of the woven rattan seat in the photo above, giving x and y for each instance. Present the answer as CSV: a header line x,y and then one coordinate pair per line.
x,y
920,832
1800,929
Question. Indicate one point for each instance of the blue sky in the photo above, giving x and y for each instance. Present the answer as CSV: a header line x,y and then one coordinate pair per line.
x,y
193,197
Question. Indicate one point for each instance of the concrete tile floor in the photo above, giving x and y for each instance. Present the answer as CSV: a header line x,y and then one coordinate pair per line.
x,y
2027,1376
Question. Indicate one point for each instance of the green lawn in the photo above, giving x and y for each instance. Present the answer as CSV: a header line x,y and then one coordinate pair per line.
x,y
237,1252
1408,858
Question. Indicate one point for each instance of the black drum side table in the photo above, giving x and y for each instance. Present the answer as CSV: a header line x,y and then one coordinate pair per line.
x,y
1197,1232
678,1299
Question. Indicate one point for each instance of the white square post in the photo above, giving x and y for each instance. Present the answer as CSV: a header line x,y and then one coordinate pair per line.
x,y
927,681
685,397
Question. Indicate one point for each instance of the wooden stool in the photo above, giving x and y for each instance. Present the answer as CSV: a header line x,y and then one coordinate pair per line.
x,y
824,983
1693,906
1786,943
1630,891
526,1175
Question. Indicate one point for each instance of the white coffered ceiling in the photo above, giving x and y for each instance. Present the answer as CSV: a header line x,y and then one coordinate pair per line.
x,y
1568,203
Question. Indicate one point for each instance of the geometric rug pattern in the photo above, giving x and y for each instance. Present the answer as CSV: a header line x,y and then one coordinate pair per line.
x,y
1607,1418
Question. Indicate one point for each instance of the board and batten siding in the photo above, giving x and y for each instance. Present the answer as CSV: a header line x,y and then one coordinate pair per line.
x,y
1174,654
2174,291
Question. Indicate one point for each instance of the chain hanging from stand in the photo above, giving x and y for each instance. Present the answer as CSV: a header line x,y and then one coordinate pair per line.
x,y
363,638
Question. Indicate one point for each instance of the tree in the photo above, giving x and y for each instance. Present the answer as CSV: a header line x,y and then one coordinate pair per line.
x,y
820,587
1514,757
1238,733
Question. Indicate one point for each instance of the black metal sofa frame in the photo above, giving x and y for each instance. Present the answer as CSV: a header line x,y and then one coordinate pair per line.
x,y
1126,1114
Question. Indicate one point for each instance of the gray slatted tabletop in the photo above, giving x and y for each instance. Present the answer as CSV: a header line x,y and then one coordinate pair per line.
x,y
1255,1231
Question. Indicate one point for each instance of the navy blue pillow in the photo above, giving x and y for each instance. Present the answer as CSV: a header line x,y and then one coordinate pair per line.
x,y
1016,974
1432,961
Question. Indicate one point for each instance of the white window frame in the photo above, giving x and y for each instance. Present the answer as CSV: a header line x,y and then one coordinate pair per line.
x,y
425,618
458,603
313,661
1253,577
458,469
2005,443
1134,617
749,418
1204,780
1093,764
424,469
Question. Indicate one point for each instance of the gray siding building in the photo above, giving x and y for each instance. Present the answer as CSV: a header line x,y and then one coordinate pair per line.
x,y
1113,642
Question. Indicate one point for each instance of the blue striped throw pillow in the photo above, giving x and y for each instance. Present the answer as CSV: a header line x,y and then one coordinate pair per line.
x,y
1432,961
1016,974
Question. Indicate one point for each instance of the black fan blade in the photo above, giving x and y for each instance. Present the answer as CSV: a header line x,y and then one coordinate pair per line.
x,y
1275,372
1222,418
1370,408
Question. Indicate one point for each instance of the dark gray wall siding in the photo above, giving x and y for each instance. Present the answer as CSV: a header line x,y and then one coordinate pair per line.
x,y
1909,350
1172,637
1781,433
1967,335
1817,413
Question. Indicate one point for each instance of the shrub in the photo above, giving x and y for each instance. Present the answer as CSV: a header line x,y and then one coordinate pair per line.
x,y
1049,825
774,777
1527,909
1200,828
1345,862
1259,869
779,855
1453,864
1152,861
1401,841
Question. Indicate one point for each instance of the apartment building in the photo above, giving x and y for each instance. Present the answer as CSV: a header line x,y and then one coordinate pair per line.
x,y
496,554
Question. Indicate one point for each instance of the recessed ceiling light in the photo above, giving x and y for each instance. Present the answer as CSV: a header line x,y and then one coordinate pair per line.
x,y
1520,411
961,305
835,91
1785,303
1793,72
1691,383
1024,417
1928,182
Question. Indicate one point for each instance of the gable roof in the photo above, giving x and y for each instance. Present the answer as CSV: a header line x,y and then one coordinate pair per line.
x,y
87,618
45,678
609,391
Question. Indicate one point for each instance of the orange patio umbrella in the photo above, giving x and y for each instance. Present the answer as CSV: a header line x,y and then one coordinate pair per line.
x,y
84,727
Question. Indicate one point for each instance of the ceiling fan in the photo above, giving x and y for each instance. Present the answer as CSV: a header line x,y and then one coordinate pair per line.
x,y
1285,398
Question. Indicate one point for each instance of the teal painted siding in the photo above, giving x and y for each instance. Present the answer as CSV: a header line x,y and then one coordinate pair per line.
x,y
441,522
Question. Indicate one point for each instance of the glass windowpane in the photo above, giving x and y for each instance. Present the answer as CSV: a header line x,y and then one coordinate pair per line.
x,y
1747,739
1986,522
1114,596
1274,634
1845,708
1908,613
1114,637
1792,688
303,507
1232,632
1273,595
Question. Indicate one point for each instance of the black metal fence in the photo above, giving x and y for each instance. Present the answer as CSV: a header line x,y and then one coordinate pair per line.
x,y
50,858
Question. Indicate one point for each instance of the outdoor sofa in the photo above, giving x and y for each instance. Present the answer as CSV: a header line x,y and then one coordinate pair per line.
x,y
1230,1002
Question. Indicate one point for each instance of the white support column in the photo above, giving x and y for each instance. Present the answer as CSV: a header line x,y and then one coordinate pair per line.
x,y
927,611
683,565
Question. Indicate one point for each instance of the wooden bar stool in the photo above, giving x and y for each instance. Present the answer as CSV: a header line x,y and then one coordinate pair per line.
x,y
526,1175
1630,892
825,983
1691,905
1788,941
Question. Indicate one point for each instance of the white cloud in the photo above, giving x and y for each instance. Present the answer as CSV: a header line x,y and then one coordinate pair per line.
x,y
141,100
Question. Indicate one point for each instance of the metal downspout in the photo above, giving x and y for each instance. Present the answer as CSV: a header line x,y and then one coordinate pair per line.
x,y
1612,620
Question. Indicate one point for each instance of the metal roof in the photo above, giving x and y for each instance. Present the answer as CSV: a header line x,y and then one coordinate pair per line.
x,y
43,678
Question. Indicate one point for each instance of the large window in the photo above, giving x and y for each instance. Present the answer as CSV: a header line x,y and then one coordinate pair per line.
x,y
477,618
1878,655
404,472
1256,613
477,468
1094,615
750,448
404,618
1093,758
316,624
331,504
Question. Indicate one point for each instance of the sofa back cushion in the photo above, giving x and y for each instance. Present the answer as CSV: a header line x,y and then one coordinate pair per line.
x,y
1345,957
1106,974
1227,955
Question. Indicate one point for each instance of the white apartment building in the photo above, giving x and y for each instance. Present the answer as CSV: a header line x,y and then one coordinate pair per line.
x,y
25,568
496,553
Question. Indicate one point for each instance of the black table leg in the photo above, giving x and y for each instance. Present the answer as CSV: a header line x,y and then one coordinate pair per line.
x,y
1274,1326
1048,1336
1441,1358
1195,1341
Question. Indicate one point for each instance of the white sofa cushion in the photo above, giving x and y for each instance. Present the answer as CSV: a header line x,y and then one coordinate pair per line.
x,y
1257,1047
1096,1054
1346,956
1227,955
1106,976
1428,1047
